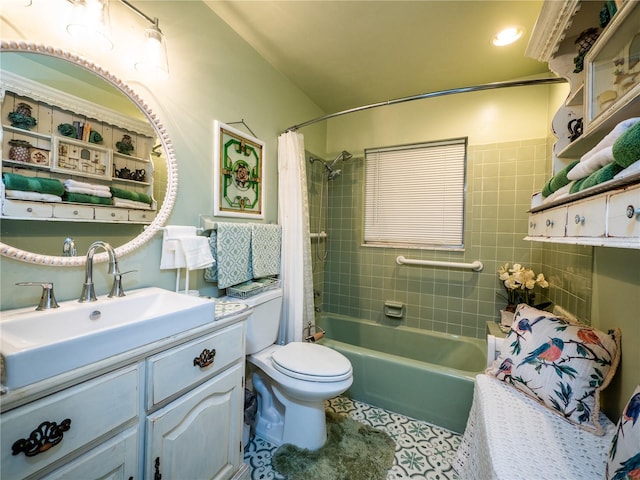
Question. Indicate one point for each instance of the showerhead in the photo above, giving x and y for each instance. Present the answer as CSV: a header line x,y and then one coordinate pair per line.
x,y
332,173
343,155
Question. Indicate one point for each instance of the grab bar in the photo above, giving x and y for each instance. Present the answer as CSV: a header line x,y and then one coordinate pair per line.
x,y
322,234
476,266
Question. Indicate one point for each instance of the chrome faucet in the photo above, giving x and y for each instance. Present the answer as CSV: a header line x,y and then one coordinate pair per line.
x,y
88,290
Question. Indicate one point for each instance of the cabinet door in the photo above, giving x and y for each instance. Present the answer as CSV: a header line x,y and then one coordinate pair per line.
x,y
198,436
116,459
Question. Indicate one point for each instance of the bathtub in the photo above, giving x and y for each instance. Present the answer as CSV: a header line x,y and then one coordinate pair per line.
x,y
424,375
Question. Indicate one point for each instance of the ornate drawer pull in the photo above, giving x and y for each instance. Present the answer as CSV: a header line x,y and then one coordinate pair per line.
x,y
205,359
47,435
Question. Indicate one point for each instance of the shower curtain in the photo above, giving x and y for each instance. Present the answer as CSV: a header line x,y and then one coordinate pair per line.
x,y
293,215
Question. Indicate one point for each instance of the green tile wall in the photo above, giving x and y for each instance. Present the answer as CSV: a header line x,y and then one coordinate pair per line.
x,y
356,280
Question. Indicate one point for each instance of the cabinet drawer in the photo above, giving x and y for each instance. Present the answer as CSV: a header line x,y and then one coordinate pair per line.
x,y
106,213
82,212
144,216
80,415
587,219
177,369
17,208
623,221
549,223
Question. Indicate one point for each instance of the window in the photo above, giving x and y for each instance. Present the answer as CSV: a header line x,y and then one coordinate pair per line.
x,y
414,195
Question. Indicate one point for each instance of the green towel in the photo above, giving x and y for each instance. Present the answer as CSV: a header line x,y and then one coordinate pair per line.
x,y
577,185
84,198
52,186
605,174
559,180
128,195
626,149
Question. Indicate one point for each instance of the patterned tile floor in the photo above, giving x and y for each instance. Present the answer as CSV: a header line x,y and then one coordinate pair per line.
x,y
423,451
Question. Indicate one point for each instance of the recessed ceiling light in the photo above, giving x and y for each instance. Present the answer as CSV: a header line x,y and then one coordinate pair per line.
x,y
507,36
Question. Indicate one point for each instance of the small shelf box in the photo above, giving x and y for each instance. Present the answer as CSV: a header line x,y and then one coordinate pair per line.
x,y
81,158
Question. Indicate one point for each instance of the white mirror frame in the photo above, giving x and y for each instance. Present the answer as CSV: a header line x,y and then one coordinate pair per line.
x,y
172,167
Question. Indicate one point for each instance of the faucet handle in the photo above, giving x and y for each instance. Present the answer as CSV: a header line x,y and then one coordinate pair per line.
x,y
48,299
116,289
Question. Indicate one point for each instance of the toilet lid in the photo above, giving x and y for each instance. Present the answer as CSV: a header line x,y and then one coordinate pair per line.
x,y
309,361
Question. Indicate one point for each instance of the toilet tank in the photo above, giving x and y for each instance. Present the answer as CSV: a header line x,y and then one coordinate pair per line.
x,y
263,324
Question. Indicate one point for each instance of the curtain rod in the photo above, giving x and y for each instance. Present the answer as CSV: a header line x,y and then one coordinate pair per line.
x,y
439,93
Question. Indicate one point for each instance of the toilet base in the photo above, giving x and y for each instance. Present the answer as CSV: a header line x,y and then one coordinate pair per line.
x,y
281,419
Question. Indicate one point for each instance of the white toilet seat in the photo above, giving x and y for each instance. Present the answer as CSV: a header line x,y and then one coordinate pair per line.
x,y
311,362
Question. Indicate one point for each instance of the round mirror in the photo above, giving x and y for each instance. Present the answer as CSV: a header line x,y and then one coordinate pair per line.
x,y
41,242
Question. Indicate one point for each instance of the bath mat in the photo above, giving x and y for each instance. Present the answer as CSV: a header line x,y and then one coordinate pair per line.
x,y
353,451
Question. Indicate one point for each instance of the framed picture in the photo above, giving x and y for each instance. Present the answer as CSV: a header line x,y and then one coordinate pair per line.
x,y
238,183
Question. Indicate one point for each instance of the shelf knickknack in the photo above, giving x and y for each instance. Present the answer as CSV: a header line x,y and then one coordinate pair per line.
x,y
238,179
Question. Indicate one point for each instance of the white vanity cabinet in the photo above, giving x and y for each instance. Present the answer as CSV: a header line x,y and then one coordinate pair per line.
x,y
172,408
196,435
39,434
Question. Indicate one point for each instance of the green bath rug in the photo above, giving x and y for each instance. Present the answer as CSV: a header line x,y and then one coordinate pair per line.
x,y
353,452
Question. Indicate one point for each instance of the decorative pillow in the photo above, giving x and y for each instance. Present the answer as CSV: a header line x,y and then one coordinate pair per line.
x,y
562,365
624,455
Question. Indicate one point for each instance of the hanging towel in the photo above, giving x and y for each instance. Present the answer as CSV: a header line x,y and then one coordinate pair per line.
x,y
266,241
172,253
211,273
233,249
196,252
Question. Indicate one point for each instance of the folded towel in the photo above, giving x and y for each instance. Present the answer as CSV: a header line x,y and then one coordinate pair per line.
x,y
595,162
120,202
234,248
172,255
559,180
560,193
605,174
266,241
128,195
577,186
626,149
84,198
196,252
34,196
14,181
607,141
74,183
89,191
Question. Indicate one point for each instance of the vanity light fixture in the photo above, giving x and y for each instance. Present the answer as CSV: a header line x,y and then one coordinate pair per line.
x,y
90,22
507,36
152,57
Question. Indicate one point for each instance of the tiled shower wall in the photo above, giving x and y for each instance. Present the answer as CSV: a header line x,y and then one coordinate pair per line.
x,y
356,280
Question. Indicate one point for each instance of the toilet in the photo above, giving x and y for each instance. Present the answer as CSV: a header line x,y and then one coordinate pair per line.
x,y
291,381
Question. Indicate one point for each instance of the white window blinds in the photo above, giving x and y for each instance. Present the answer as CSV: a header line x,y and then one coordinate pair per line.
x,y
414,195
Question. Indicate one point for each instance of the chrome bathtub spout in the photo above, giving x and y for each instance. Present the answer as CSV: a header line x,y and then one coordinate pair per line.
x,y
88,290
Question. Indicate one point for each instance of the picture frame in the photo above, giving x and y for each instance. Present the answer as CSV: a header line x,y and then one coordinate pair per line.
x,y
238,186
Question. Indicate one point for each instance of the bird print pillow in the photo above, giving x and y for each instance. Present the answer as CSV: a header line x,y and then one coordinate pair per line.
x,y
562,365
624,456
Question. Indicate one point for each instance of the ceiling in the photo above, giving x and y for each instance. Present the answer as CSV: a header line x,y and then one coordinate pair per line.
x,y
344,54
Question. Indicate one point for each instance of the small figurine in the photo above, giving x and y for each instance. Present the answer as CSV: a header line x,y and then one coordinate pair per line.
x,y
67,130
125,146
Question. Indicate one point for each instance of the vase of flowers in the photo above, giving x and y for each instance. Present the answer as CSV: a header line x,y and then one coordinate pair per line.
x,y
519,283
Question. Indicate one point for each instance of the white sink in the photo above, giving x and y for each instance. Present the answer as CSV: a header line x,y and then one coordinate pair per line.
x,y
40,344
